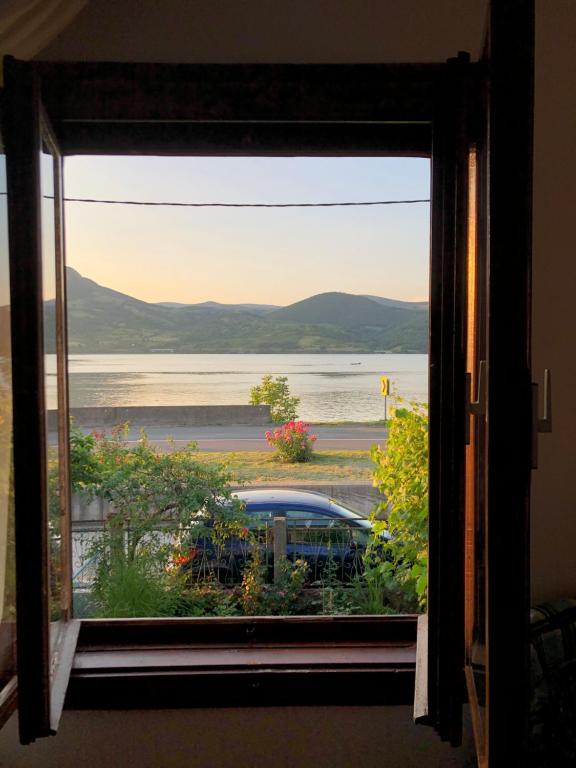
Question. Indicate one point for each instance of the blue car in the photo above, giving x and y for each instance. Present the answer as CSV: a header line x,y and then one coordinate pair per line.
x,y
321,531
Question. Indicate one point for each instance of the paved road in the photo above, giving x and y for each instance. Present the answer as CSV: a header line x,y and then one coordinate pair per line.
x,y
245,438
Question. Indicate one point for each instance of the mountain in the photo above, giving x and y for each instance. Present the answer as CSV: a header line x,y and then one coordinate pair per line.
x,y
417,305
82,289
215,306
342,309
104,320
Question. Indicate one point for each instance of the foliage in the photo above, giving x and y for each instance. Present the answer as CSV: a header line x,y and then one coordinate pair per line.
x,y
168,504
84,462
258,598
275,393
210,600
131,588
292,441
371,590
401,475
150,488
156,498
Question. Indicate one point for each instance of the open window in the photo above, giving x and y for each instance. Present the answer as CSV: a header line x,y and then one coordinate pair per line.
x,y
45,632
163,109
418,111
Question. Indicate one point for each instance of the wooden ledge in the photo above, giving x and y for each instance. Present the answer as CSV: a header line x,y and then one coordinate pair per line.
x,y
237,662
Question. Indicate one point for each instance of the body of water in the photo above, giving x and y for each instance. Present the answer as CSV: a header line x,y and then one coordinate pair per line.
x,y
331,387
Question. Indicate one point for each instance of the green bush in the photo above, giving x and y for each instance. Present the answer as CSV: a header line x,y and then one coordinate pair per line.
x,y
401,475
132,588
157,497
275,393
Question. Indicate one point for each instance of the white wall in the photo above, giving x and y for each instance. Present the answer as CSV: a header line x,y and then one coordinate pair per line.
x,y
331,737
272,31
554,309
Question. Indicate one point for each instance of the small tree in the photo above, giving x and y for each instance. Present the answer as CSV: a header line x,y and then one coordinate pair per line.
x,y
275,393
159,499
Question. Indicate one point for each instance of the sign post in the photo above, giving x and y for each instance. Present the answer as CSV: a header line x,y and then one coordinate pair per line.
x,y
385,391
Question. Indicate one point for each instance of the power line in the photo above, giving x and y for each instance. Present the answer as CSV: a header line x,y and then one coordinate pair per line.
x,y
242,205
156,203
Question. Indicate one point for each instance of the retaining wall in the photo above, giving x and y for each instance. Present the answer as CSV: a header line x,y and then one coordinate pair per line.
x,y
168,416
361,497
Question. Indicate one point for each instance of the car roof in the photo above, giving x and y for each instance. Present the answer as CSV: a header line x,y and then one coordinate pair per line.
x,y
284,497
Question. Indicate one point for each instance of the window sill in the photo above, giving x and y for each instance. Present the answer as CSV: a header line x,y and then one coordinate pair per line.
x,y
244,662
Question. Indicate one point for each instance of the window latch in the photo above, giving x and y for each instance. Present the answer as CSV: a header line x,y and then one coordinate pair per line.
x,y
475,407
541,424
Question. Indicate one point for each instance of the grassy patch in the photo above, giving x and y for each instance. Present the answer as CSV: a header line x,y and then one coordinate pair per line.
x,y
326,466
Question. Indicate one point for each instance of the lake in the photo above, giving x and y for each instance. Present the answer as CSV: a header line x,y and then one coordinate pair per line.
x,y
332,387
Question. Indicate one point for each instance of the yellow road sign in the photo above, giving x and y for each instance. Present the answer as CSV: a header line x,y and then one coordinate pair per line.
x,y
384,386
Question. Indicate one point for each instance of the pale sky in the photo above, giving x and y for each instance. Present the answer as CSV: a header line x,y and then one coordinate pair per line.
x,y
272,256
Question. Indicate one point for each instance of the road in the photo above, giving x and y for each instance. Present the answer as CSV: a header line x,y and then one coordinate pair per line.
x,y
354,437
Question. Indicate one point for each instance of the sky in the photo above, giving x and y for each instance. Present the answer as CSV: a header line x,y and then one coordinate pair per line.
x,y
268,256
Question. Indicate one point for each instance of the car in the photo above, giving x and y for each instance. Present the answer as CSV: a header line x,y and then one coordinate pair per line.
x,y
323,532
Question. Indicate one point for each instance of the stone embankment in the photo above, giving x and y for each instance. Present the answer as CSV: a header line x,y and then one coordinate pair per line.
x,y
168,416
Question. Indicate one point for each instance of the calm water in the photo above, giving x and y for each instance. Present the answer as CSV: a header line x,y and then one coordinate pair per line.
x,y
331,387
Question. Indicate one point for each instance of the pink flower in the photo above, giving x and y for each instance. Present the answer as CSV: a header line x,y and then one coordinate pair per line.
x,y
268,435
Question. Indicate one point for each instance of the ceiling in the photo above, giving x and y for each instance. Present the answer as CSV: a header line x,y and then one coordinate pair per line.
x,y
271,31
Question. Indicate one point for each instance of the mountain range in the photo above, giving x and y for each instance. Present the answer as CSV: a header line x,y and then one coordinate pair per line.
x,y
103,320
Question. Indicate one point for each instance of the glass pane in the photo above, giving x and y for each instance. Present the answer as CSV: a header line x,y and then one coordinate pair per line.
x,y
475,628
7,553
306,514
51,378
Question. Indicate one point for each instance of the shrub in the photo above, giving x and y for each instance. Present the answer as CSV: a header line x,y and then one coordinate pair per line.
x,y
133,588
258,598
275,393
401,475
292,441
157,498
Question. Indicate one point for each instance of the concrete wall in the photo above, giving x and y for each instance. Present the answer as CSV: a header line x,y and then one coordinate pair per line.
x,y
168,416
362,497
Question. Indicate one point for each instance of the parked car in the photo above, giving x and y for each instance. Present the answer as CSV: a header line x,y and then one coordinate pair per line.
x,y
321,531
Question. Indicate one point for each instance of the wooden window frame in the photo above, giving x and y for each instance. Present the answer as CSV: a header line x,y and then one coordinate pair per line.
x,y
323,110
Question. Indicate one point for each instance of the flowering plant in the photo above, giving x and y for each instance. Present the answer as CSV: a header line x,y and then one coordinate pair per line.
x,y
292,441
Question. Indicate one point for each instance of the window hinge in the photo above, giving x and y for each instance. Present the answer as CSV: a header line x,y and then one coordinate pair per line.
x,y
475,407
541,424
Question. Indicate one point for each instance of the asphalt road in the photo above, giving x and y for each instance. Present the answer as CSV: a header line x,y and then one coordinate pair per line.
x,y
245,438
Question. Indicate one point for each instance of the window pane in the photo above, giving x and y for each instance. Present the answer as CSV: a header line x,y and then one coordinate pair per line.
x,y
51,377
305,515
7,559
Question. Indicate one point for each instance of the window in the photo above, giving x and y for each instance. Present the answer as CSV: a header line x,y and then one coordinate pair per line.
x,y
7,522
107,107
315,124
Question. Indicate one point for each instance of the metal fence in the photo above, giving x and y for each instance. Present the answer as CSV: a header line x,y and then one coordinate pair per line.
x,y
331,548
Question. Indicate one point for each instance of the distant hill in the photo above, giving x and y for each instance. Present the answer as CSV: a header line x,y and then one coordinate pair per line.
x,y
417,305
215,306
342,309
104,320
